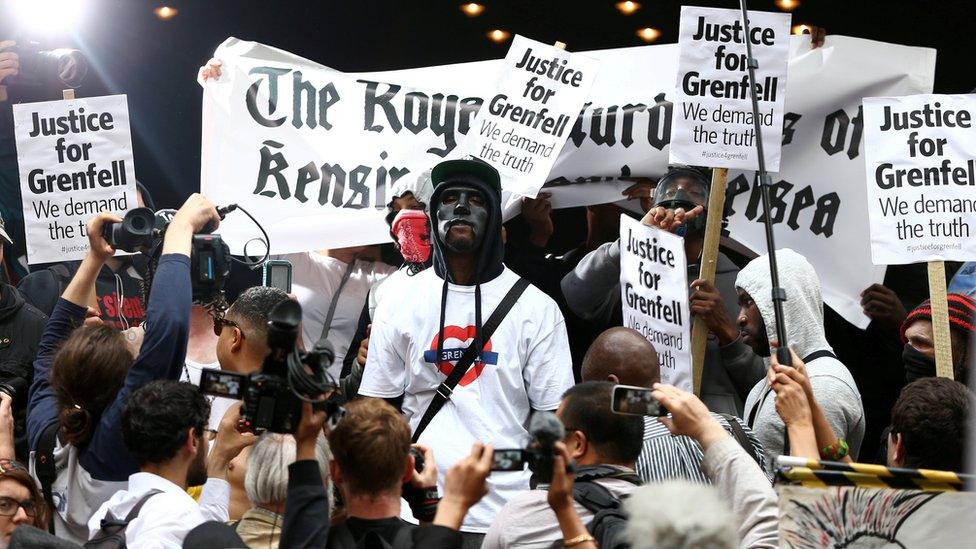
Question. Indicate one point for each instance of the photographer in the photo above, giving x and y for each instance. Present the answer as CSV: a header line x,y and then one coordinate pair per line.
x,y
371,465
164,427
604,445
83,377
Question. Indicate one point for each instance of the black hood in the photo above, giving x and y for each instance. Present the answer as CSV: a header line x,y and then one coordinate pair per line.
x,y
492,251
10,301
481,176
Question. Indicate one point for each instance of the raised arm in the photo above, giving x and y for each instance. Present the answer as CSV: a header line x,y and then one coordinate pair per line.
x,y
163,349
68,313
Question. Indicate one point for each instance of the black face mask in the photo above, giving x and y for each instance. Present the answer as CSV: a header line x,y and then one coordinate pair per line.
x,y
462,211
917,364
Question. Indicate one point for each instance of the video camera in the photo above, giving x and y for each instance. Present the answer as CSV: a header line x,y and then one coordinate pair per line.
x,y
546,430
274,394
142,230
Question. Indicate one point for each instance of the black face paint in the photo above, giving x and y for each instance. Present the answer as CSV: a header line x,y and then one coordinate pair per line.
x,y
462,206
917,363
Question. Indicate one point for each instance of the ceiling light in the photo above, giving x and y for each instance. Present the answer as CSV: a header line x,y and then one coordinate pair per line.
x,y
802,29
627,8
472,9
788,5
498,36
648,34
165,12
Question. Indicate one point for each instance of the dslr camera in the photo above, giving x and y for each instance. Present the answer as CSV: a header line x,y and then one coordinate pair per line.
x,y
546,430
48,69
274,394
142,230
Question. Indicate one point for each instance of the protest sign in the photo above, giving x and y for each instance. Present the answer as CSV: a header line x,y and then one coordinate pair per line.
x,y
75,159
654,294
383,126
526,123
713,123
920,161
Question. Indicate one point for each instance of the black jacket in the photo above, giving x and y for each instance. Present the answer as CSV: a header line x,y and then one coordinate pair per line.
x,y
21,326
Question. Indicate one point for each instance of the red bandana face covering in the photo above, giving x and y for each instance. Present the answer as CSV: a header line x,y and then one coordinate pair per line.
x,y
412,231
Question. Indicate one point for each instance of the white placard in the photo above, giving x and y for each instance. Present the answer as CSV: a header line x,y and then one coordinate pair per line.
x,y
819,196
920,161
713,122
75,159
654,293
526,122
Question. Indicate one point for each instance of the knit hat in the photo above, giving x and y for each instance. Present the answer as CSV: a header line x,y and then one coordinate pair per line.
x,y
962,314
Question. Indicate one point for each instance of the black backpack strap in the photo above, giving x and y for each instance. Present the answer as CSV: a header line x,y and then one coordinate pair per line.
x,y
446,387
44,466
594,496
134,512
818,354
739,434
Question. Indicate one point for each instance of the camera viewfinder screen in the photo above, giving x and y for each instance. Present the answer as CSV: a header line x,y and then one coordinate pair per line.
x,y
227,384
636,401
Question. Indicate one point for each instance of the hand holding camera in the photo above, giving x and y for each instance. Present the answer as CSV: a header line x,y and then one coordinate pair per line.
x,y
228,444
99,248
464,486
689,415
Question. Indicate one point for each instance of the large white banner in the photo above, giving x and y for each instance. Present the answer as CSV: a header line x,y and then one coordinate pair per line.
x,y
312,151
654,295
75,159
713,124
921,168
528,119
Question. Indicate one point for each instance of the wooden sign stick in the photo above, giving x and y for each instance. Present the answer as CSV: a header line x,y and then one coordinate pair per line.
x,y
709,260
940,319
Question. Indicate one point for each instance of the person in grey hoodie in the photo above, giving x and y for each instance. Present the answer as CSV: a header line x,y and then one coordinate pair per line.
x,y
592,290
833,385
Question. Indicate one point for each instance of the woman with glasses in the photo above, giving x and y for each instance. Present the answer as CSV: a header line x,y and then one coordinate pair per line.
x,y
20,500
83,375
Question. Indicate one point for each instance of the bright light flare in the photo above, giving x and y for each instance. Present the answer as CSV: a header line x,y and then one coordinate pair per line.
x,y
648,34
48,16
788,5
165,12
627,8
498,36
802,29
472,9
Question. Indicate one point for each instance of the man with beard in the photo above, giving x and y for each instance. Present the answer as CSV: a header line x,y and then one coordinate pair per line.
x,y
418,339
592,289
164,428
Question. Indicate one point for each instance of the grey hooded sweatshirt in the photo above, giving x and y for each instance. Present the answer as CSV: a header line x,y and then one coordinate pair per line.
x,y
833,385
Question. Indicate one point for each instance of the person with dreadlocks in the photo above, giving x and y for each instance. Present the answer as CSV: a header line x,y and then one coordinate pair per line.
x,y
680,205
419,338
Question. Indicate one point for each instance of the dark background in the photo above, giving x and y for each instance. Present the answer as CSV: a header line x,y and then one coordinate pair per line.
x,y
155,62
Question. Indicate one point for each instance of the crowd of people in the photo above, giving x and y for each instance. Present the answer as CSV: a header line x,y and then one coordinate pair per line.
x,y
466,340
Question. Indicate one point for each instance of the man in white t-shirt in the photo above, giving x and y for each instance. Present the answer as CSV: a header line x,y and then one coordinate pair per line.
x,y
525,365
317,278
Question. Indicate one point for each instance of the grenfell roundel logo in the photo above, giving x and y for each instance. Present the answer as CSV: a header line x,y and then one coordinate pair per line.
x,y
456,341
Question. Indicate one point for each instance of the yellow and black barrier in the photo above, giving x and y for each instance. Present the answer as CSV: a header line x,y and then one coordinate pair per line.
x,y
818,474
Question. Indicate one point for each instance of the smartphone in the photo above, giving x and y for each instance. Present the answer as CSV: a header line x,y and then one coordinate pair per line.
x,y
513,459
223,383
277,274
638,401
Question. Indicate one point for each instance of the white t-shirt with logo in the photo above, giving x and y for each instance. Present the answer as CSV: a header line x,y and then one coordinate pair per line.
x,y
525,366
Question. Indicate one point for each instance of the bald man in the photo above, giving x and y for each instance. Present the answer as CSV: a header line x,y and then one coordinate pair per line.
x,y
621,355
